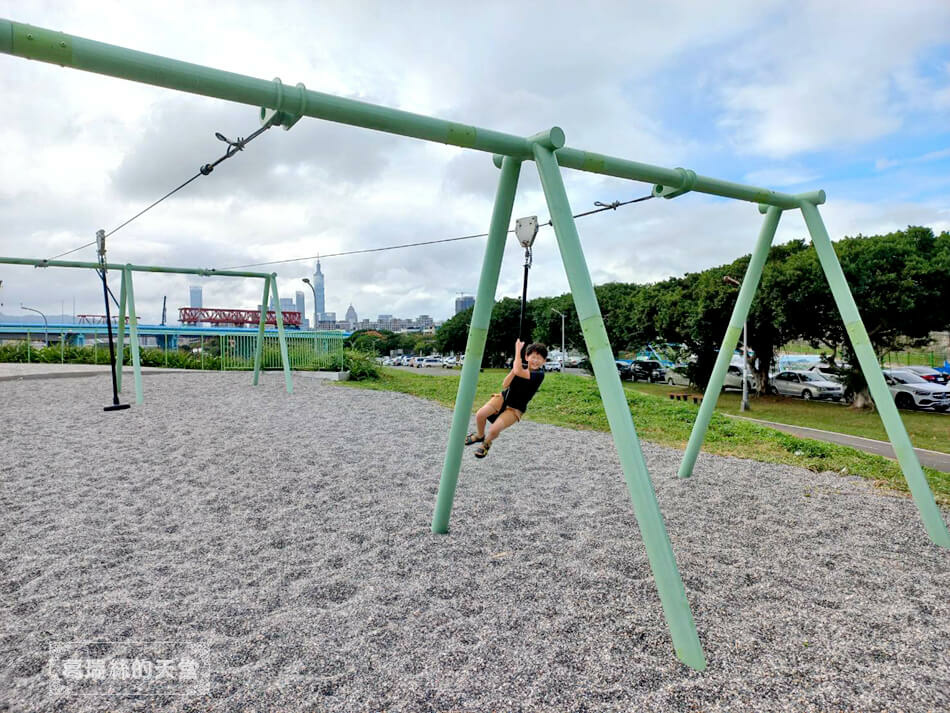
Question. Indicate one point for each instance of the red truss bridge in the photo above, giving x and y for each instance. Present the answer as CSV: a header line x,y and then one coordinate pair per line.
x,y
234,317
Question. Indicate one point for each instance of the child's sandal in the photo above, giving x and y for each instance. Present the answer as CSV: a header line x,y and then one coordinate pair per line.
x,y
482,450
471,439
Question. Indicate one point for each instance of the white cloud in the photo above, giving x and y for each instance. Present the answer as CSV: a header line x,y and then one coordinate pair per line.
x,y
83,151
788,176
821,76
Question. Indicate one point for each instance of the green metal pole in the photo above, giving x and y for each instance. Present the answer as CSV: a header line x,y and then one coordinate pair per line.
x,y
161,269
646,508
281,337
740,311
477,334
258,350
66,50
133,337
120,333
919,488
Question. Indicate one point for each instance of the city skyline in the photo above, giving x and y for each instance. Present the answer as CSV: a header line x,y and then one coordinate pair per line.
x,y
742,94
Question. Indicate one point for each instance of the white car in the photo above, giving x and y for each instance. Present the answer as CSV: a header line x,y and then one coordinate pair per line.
x,y
911,391
448,362
676,376
826,373
553,365
733,379
807,385
429,361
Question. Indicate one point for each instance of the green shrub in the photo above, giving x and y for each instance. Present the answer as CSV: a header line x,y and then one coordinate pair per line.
x,y
361,365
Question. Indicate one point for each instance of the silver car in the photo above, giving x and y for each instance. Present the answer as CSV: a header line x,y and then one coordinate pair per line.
x,y
733,379
806,384
676,375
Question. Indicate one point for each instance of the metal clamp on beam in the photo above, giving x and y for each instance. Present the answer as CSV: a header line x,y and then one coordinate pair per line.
x,y
279,116
686,185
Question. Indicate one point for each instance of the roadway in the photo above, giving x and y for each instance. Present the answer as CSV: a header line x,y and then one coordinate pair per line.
x,y
933,459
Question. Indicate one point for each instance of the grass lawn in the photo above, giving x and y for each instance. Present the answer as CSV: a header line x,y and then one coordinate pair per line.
x,y
574,402
926,429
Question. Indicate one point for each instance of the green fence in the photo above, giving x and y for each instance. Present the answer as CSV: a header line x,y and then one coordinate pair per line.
x,y
931,356
307,351
919,358
224,352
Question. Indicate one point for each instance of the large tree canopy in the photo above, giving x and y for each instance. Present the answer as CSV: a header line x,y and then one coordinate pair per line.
x,y
900,281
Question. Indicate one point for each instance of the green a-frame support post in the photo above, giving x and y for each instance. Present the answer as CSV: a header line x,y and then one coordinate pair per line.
x,y
646,508
284,105
844,300
127,309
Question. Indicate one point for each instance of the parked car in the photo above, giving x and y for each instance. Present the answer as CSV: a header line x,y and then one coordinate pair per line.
x,y
553,365
932,375
911,391
448,362
429,361
676,375
733,379
828,373
806,384
648,370
624,369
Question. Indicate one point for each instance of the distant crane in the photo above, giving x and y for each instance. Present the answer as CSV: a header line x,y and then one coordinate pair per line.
x,y
164,312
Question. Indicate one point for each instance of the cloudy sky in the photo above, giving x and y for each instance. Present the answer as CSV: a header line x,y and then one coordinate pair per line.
x,y
852,97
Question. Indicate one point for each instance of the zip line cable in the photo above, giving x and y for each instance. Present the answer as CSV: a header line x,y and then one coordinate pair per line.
x,y
233,148
600,209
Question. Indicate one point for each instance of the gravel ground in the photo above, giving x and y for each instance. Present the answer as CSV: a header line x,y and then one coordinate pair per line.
x,y
287,537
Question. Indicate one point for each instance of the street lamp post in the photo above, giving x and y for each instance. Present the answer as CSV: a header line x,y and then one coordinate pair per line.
x,y
314,291
45,323
744,406
563,353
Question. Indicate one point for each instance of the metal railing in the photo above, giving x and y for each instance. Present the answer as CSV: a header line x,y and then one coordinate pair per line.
x,y
212,349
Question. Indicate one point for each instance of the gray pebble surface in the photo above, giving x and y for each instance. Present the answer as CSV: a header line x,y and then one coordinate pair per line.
x,y
290,535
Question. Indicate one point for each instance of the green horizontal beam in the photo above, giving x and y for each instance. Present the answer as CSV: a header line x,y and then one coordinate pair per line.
x,y
88,55
134,268
678,179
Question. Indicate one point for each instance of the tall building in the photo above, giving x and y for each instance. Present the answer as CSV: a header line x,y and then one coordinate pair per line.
x,y
302,308
318,288
463,302
194,300
351,317
424,321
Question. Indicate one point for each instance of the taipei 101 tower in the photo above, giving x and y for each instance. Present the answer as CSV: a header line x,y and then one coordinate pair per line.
x,y
320,306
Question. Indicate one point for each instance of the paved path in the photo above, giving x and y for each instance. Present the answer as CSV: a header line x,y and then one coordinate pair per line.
x,y
933,459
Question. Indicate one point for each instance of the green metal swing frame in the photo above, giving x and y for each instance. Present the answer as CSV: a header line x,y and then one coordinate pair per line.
x,y
127,308
284,105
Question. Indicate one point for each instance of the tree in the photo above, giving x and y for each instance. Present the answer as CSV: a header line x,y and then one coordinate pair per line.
x,y
502,331
452,335
769,322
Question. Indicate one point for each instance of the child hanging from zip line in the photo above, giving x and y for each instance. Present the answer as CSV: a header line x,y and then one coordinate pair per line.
x,y
507,408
